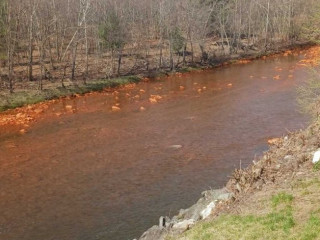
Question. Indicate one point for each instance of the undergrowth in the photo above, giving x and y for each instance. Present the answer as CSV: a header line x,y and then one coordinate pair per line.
x,y
19,99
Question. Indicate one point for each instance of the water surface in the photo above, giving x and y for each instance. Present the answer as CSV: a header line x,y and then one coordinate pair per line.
x,y
98,174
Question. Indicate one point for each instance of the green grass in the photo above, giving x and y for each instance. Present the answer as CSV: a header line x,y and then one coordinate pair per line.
x,y
21,98
307,183
188,69
281,198
311,230
316,167
279,223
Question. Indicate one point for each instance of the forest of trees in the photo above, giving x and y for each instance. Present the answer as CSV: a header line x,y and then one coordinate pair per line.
x,y
45,41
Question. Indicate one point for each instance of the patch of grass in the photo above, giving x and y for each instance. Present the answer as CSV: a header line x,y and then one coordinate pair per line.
x,y
272,226
312,229
305,184
281,220
19,99
293,216
188,69
281,198
276,225
316,167
306,192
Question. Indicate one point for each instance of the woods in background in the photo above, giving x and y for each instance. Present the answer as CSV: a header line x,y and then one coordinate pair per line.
x,y
68,41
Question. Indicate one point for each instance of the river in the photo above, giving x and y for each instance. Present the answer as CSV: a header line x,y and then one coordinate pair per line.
x,y
93,173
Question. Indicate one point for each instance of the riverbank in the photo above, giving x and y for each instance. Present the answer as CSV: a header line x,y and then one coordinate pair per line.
x,y
274,198
146,159
52,91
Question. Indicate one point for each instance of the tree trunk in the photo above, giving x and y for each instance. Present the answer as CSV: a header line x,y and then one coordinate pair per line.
x,y
184,54
119,62
160,55
30,62
171,57
267,26
74,58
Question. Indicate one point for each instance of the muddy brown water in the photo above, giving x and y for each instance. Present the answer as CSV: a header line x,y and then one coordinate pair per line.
x,y
98,174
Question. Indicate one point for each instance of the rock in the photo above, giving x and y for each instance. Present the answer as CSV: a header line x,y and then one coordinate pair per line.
x,y
277,167
69,107
274,141
187,217
184,225
181,88
288,157
164,222
176,146
157,97
20,115
316,157
142,109
208,210
23,131
154,233
225,196
181,212
153,100
190,118
115,109
238,187
210,196
38,111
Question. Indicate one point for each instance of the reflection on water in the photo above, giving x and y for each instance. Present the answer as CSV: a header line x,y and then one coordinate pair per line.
x,y
90,171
